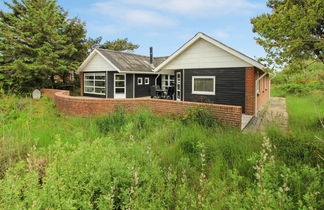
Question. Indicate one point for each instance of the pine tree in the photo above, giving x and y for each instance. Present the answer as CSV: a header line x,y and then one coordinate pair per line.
x,y
38,41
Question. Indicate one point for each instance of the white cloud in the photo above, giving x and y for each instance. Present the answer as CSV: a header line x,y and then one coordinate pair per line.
x,y
196,7
131,15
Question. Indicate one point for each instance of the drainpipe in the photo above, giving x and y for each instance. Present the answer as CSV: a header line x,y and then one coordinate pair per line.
x,y
156,79
256,94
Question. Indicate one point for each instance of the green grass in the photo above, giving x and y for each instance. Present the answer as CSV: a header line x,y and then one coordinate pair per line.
x,y
140,160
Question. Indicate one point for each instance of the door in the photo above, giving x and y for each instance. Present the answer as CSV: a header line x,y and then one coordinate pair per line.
x,y
120,86
178,86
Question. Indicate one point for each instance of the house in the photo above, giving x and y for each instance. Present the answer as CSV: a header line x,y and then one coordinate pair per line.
x,y
202,70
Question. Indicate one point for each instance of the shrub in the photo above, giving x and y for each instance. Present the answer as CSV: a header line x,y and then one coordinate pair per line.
x,y
200,115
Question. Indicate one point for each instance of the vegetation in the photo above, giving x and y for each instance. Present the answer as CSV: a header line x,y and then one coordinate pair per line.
x,y
293,30
140,160
37,42
116,45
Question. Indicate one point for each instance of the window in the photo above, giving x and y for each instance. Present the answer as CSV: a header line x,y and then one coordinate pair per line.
x,y
140,81
147,81
95,83
167,81
203,85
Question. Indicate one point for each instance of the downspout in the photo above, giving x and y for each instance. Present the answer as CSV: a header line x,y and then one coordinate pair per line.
x,y
256,94
156,79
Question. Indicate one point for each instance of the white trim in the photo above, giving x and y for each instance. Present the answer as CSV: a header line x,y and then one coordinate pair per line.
x,y
146,81
89,58
138,72
124,96
139,80
176,85
214,42
203,92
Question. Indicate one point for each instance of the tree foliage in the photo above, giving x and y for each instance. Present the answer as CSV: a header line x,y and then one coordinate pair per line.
x,y
293,30
38,41
116,45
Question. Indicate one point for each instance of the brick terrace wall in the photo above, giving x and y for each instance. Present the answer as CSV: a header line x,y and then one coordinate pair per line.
x,y
249,90
87,106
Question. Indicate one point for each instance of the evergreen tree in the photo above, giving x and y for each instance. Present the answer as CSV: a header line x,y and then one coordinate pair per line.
x,y
38,41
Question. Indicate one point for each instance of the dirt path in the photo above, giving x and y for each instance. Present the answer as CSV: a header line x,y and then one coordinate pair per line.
x,y
274,113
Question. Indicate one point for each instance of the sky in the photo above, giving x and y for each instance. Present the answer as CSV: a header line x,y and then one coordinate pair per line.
x,y
167,24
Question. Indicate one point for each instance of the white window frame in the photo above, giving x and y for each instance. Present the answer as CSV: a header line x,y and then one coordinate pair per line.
x,y
167,78
139,80
204,92
146,80
94,83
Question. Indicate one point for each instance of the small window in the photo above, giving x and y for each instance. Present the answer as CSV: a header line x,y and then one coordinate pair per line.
x,y
147,81
203,85
140,81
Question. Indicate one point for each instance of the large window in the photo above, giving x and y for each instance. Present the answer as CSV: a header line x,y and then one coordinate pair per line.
x,y
167,81
203,85
95,83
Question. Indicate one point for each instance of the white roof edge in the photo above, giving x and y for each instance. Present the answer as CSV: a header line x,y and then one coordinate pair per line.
x,y
199,35
92,54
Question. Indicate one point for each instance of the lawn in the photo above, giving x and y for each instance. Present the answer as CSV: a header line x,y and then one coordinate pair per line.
x,y
142,161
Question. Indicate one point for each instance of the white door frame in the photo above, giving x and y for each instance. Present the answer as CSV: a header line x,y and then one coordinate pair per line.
x,y
119,95
178,82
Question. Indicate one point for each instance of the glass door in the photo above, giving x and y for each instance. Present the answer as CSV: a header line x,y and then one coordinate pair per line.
x,y
120,86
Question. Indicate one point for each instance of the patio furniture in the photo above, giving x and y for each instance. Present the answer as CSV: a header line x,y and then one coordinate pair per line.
x,y
170,93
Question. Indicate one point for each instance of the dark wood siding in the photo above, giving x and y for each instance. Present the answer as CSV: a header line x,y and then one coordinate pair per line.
x,y
230,86
144,90
129,85
111,79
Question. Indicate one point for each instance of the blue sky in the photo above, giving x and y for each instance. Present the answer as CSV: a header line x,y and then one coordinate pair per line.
x,y
168,24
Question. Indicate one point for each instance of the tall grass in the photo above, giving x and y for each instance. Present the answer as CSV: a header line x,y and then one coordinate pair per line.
x,y
143,161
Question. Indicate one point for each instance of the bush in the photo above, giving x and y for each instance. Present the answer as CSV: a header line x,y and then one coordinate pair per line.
x,y
200,115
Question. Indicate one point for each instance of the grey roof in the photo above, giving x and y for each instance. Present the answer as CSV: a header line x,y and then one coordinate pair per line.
x,y
130,62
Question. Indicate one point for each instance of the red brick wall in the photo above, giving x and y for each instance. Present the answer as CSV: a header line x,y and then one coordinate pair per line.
x,y
249,90
86,106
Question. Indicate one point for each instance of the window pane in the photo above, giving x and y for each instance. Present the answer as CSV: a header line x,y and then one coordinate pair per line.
x,y
120,90
89,83
91,77
119,84
100,90
204,85
100,77
172,77
120,77
89,89
100,83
